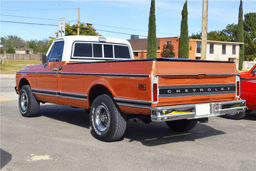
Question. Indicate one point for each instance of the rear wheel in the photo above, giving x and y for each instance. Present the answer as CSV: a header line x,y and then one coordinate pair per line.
x,y
181,125
237,116
249,111
28,105
107,122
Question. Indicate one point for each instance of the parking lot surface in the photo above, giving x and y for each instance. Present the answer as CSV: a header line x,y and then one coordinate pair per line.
x,y
59,138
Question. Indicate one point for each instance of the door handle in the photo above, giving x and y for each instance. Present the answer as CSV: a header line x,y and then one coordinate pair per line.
x,y
55,69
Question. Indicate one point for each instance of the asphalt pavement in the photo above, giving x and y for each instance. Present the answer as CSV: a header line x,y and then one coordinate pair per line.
x,y
59,139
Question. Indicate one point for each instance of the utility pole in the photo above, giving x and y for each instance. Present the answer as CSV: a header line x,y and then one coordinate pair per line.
x,y
78,20
204,29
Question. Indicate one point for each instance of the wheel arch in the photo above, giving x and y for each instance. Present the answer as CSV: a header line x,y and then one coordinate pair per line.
x,y
22,82
99,89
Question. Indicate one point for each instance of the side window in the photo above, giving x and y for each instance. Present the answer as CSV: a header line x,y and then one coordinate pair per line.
x,y
83,50
254,70
56,52
108,51
50,53
97,50
122,52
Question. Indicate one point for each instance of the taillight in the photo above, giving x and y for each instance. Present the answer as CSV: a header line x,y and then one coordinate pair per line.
x,y
237,86
155,92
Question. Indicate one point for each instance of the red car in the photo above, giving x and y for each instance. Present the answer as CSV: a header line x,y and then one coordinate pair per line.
x,y
248,88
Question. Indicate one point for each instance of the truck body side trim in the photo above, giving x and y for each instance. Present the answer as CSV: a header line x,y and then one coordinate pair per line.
x,y
61,94
90,74
133,103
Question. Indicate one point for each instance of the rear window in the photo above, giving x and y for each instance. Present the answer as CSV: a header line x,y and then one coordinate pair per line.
x,y
108,51
100,50
122,52
97,50
83,49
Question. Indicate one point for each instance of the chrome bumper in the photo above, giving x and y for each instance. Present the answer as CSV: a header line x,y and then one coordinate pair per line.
x,y
196,111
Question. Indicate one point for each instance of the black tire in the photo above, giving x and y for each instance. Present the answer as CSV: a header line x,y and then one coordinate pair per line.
x,y
107,121
237,116
28,105
248,111
181,125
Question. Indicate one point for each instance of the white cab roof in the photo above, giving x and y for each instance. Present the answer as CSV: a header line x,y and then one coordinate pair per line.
x,y
69,40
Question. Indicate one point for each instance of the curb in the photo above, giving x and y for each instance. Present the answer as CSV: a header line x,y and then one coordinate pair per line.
x,y
7,75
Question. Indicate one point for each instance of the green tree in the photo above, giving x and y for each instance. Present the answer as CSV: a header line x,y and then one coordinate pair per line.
x,y
196,36
184,39
152,41
33,45
168,51
240,35
1,51
10,50
250,35
11,40
84,29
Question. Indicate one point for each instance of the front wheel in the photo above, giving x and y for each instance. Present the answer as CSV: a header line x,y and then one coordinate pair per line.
x,y
28,104
107,122
181,125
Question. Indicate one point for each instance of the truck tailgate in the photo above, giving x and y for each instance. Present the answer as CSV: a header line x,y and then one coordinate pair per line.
x,y
185,82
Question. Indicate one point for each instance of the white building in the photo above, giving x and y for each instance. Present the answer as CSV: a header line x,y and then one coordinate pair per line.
x,y
24,51
220,50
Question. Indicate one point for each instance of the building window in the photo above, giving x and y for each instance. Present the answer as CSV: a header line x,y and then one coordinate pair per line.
x,y
198,47
211,48
232,59
27,51
169,43
198,58
223,49
233,49
136,54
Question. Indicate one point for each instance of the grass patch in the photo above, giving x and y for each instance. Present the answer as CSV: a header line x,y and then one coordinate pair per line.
x,y
11,67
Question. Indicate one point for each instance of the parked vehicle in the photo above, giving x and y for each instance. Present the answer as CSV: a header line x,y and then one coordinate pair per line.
x,y
248,88
100,74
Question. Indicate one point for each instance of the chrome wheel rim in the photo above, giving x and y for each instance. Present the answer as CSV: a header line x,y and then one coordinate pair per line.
x,y
102,118
24,101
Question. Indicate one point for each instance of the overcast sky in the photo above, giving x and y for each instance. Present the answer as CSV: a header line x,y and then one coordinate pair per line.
x,y
113,17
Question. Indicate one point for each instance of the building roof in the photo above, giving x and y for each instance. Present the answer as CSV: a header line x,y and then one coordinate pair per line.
x,y
23,49
221,42
141,44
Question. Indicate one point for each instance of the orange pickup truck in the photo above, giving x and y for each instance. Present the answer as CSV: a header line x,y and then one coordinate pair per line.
x,y
100,74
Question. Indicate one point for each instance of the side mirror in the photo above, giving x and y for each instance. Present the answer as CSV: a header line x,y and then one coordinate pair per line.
x,y
252,74
44,59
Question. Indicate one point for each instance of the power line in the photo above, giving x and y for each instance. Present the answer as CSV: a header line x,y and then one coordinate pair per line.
x,y
35,18
27,23
15,22
34,9
40,8
87,23
119,32
129,29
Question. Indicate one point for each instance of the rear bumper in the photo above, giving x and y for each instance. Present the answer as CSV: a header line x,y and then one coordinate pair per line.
x,y
197,111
